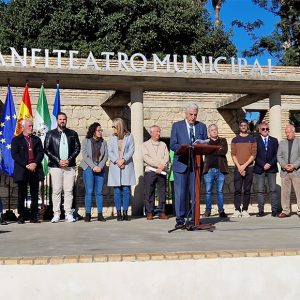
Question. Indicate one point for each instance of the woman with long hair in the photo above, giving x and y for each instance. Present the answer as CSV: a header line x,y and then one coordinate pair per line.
x,y
121,174
94,157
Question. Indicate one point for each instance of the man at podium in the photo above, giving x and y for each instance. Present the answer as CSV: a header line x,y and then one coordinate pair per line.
x,y
185,132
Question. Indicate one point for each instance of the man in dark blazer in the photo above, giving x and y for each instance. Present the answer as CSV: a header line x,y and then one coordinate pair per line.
x,y
266,166
27,152
185,132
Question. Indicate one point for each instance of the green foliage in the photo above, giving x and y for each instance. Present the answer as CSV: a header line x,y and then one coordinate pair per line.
x,y
146,26
284,42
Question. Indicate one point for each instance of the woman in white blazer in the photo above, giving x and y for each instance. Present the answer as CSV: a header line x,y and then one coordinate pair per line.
x,y
121,174
94,157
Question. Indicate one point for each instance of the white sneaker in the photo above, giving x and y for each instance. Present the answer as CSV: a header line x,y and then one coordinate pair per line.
x,y
55,219
236,214
245,214
69,218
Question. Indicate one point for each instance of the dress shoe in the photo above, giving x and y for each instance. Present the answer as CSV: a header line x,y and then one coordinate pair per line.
x,y
119,216
261,214
163,216
2,221
125,216
21,221
87,217
35,220
101,218
149,216
274,214
223,214
283,215
207,213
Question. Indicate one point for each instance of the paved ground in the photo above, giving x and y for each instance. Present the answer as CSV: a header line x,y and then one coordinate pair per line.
x,y
142,236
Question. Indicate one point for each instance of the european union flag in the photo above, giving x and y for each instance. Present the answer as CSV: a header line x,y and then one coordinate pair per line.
x,y
7,129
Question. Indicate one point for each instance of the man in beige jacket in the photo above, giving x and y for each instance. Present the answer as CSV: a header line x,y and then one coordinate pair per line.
x,y
156,161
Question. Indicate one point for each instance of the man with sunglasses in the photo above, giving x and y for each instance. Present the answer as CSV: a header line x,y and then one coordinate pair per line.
x,y
266,166
243,152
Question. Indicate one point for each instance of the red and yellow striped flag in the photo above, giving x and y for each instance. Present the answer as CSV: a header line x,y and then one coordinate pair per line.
x,y
25,111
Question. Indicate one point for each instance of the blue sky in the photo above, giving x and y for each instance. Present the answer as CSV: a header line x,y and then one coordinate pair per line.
x,y
245,11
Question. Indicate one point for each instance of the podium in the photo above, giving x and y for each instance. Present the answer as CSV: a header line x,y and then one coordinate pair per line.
x,y
197,151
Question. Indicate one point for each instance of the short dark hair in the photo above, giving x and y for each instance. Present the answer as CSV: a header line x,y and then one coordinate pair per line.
x,y
243,121
61,114
92,129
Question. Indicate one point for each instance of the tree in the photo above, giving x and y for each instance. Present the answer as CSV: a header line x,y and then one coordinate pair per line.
x,y
284,42
147,26
216,4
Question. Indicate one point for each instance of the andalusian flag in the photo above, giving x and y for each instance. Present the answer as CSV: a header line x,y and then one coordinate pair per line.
x,y
42,122
25,111
56,108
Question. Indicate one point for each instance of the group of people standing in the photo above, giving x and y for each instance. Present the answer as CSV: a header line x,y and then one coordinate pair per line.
x,y
62,147
250,155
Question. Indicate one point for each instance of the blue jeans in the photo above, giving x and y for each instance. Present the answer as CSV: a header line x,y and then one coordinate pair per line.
x,y
118,190
93,183
214,175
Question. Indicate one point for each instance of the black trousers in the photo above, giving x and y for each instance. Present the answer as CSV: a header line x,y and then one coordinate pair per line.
x,y
153,180
32,179
242,183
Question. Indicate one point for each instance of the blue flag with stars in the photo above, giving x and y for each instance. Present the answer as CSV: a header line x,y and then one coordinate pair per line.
x,y
7,129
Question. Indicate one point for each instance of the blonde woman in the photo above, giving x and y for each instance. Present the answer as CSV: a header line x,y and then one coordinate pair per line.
x,y
121,169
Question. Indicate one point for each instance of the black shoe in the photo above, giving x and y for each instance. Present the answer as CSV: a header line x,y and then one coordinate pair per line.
x,y
274,214
223,214
261,214
100,218
35,220
21,221
179,224
87,217
119,216
125,216
2,221
207,213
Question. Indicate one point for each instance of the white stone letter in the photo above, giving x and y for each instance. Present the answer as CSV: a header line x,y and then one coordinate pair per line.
x,y
211,64
14,55
122,59
184,69
90,61
196,63
216,63
242,62
144,59
46,58
59,52
72,60
256,67
157,61
269,66
107,59
33,57
2,61
232,65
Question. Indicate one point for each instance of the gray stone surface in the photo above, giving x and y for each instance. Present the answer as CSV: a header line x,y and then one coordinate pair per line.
x,y
141,236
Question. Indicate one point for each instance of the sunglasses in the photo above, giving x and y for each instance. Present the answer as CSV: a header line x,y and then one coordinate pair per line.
x,y
265,129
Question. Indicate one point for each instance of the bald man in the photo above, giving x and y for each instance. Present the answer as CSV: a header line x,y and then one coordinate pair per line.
x,y
288,157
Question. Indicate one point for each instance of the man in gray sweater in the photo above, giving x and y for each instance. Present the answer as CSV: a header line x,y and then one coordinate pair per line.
x,y
156,161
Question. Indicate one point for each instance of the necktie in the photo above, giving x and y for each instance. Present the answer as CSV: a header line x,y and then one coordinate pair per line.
x,y
192,137
266,143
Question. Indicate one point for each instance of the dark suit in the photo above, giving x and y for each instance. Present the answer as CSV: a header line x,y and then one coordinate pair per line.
x,y
22,176
180,136
263,157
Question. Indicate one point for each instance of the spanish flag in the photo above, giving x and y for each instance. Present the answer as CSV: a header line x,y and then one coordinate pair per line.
x,y
25,111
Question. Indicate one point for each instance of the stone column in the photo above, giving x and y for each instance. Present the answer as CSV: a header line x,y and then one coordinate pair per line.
x,y
275,122
137,130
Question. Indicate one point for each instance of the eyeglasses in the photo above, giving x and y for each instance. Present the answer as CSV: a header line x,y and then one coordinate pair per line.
x,y
265,129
